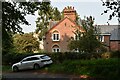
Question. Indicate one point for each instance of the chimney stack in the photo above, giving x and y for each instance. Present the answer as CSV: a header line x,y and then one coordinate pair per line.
x,y
70,13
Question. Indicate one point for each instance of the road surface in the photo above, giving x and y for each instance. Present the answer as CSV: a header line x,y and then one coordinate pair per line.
x,y
37,75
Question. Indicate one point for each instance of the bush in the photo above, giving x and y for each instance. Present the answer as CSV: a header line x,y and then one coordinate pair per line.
x,y
11,58
115,54
100,68
56,57
106,55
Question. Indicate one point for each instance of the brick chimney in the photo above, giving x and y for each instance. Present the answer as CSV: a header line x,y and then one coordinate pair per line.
x,y
70,13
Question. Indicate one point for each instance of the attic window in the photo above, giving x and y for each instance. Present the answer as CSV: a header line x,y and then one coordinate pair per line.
x,y
55,36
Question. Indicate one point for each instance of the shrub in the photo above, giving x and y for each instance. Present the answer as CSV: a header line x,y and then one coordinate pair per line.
x,y
56,57
106,55
11,58
100,68
115,54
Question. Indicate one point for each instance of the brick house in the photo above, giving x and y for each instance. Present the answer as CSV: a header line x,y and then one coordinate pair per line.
x,y
61,32
110,36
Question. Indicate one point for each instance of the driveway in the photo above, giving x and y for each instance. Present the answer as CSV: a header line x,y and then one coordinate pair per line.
x,y
37,75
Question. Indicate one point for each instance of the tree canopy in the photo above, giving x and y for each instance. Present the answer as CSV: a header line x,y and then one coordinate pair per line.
x,y
46,14
13,14
25,43
113,8
86,41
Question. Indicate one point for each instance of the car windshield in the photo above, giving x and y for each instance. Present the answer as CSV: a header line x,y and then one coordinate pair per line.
x,y
45,57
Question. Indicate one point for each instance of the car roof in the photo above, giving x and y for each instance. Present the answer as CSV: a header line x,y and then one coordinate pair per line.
x,y
35,56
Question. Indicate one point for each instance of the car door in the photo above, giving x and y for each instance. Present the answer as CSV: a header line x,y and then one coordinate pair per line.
x,y
26,63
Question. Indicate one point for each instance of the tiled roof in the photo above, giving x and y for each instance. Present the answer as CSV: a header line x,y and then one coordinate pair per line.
x,y
114,30
52,23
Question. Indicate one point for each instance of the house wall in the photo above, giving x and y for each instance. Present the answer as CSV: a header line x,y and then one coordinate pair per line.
x,y
114,45
65,29
111,45
119,45
107,41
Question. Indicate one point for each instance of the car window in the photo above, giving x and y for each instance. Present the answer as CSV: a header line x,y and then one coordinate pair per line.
x,y
44,57
27,59
34,58
30,59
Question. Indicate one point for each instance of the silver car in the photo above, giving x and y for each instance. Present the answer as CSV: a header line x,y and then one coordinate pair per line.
x,y
32,62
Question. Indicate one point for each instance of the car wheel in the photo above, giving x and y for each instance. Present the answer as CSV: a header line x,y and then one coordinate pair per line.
x,y
36,66
15,69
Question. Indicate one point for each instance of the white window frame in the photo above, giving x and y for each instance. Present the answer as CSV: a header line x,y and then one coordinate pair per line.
x,y
76,50
56,37
55,49
101,38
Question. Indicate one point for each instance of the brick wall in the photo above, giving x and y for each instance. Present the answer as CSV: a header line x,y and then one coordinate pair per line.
x,y
65,29
114,45
107,41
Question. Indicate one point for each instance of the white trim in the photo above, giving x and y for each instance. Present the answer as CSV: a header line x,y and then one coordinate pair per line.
x,y
101,38
55,47
76,50
55,35
107,34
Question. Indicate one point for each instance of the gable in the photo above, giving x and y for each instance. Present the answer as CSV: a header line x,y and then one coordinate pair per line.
x,y
65,23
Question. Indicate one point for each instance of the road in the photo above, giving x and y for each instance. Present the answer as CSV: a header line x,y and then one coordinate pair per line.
x,y
37,75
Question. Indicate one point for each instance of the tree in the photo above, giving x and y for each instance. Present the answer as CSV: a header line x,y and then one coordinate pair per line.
x,y
13,14
114,7
87,41
56,15
43,20
25,43
12,23
46,14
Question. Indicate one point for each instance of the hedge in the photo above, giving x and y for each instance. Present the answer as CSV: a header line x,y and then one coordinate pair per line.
x,y
56,57
99,68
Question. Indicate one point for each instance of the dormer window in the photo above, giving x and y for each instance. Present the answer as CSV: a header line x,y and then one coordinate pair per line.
x,y
55,36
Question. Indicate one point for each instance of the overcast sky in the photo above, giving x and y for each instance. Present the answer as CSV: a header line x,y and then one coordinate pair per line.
x,y
83,7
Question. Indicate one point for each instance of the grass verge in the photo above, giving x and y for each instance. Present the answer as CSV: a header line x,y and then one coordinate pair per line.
x,y
6,68
99,68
